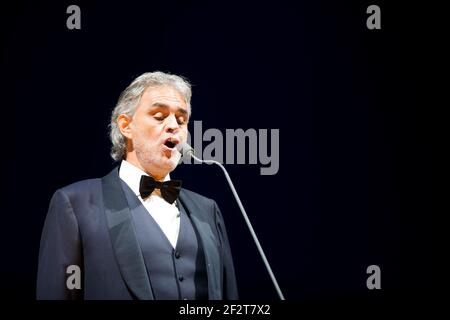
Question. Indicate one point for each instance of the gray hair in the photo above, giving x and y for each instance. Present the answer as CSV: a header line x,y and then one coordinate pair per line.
x,y
129,100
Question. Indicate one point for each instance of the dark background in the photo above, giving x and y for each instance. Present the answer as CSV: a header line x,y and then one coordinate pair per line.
x,y
354,185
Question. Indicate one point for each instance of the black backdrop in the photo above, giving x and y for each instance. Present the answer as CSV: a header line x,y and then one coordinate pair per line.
x,y
354,184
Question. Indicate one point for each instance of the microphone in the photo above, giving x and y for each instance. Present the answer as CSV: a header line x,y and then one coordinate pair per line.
x,y
188,152
185,149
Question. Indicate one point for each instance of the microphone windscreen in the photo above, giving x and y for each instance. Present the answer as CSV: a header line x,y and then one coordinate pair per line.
x,y
185,149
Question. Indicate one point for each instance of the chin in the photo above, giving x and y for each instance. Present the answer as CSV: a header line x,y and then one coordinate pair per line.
x,y
173,164
173,160
169,163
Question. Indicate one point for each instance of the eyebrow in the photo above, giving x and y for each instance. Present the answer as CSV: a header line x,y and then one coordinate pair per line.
x,y
165,106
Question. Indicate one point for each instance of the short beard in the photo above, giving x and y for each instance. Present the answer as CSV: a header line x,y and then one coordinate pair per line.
x,y
149,159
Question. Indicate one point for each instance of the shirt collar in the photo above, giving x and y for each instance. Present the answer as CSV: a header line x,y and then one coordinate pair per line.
x,y
131,175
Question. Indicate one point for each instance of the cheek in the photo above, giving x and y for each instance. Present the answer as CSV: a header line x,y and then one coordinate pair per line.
x,y
184,134
152,132
146,139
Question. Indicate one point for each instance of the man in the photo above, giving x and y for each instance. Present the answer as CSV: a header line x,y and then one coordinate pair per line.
x,y
128,235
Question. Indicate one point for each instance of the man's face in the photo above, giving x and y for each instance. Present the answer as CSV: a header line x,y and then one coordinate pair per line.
x,y
158,125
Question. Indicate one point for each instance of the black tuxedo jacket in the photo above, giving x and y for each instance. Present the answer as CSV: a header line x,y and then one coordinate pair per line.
x,y
89,224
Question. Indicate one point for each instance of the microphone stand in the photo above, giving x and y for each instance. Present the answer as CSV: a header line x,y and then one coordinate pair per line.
x,y
249,225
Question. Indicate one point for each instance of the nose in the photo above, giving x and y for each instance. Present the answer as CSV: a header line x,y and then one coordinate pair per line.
x,y
172,124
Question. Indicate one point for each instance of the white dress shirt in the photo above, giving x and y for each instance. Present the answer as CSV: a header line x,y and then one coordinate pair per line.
x,y
166,215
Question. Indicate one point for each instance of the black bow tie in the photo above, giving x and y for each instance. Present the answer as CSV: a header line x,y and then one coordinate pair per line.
x,y
169,189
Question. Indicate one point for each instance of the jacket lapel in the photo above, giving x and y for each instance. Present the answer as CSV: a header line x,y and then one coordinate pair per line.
x,y
210,247
123,237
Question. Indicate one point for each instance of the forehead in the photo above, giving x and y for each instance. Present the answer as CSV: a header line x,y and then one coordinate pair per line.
x,y
166,95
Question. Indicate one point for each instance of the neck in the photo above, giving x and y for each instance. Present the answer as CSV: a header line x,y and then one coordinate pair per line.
x,y
156,174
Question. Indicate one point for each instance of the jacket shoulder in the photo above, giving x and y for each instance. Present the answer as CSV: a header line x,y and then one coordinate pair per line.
x,y
81,187
79,196
87,186
196,197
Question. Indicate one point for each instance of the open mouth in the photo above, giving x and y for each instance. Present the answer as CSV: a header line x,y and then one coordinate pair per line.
x,y
170,143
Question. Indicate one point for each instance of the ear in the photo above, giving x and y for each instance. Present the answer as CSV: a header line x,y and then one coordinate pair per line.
x,y
124,122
